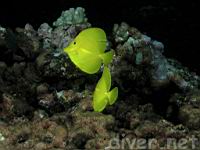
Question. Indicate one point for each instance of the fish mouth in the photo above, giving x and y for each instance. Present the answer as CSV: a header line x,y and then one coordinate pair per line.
x,y
68,49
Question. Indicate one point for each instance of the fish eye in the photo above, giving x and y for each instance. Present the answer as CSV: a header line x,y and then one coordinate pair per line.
x,y
74,43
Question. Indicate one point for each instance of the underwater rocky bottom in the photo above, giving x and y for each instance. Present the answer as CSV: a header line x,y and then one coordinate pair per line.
x,y
46,101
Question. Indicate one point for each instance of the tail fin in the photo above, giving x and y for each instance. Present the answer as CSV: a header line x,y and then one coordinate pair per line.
x,y
112,95
107,57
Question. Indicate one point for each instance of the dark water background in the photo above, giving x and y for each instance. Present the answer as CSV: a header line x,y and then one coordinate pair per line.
x,y
175,23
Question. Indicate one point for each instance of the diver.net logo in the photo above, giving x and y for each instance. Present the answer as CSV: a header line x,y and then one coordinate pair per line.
x,y
143,144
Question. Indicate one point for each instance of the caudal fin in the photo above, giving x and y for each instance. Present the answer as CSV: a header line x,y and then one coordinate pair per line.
x,y
112,95
107,57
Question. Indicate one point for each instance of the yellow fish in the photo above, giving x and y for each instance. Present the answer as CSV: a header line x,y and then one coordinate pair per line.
x,y
87,50
102,95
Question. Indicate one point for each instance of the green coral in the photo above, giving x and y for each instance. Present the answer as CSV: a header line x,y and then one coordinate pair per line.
x,y
71,16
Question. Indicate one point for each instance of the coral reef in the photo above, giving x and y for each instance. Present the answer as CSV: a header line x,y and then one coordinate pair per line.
x,y
46,101
147,52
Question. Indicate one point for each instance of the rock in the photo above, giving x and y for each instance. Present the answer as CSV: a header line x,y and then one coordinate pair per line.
x,y
42,89
190,116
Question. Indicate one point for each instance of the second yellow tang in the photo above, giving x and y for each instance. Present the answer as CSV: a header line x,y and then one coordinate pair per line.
x,y
87,50
103,96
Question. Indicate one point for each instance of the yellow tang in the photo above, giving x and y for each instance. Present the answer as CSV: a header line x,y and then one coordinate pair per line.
x,y
102,94
87,50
